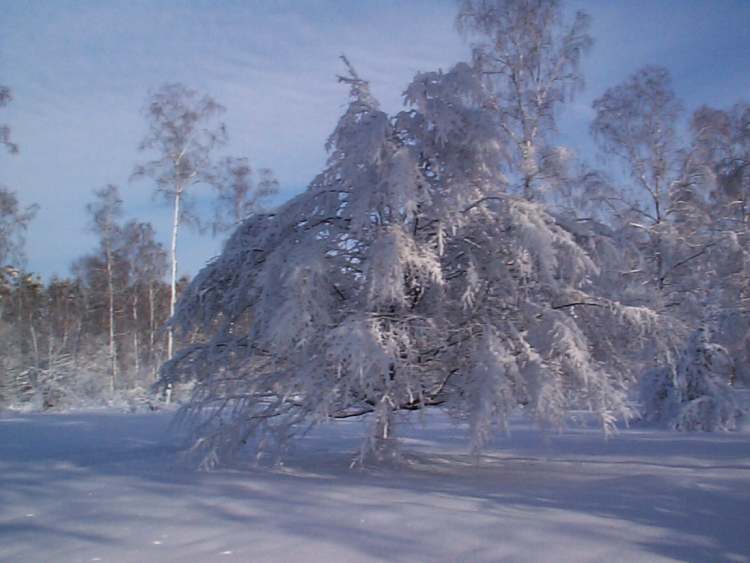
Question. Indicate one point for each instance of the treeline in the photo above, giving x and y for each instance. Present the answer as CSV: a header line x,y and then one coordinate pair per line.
x,y
99,335
79,340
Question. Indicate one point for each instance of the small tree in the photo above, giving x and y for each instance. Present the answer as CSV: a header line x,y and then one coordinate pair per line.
x,y
183,131
147,262
695,393
240,194
105,212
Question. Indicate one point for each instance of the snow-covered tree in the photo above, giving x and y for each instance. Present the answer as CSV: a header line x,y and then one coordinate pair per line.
x,y
721,144
662,208
404,277
695,393
684,259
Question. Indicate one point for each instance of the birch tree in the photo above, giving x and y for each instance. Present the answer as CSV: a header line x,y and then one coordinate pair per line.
x,y
241,192
721,142
183,131
688,254
636,124
105,212
529,57
147,264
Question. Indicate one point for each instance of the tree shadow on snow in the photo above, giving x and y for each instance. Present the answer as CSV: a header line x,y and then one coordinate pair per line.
x,y
687,497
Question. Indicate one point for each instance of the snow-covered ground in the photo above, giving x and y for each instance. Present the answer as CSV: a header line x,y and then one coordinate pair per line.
x,y
111,487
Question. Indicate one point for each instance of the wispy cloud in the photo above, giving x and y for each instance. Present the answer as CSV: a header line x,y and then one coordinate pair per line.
x,y
82,80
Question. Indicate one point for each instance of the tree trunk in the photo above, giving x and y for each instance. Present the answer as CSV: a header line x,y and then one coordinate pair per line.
x,y
112,345
34,344
136,350
151,328
173,260
385,446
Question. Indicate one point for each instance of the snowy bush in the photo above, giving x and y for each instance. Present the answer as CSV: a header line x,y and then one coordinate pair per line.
x,y
694,393
63,382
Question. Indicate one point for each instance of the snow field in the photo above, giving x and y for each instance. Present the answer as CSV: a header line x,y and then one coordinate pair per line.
x,y
103,486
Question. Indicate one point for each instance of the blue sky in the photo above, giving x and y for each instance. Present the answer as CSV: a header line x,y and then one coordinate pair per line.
x,y
80,72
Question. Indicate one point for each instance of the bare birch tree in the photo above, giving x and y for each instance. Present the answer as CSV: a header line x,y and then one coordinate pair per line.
x,y
183,131
105,211
530,59
636,124
240,192
147,262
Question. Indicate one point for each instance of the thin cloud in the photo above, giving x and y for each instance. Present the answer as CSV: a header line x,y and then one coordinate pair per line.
x,y
80,84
